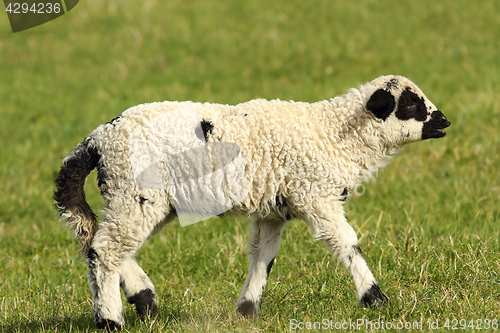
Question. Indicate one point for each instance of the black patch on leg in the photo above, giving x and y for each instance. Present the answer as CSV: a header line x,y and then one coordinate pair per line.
x,y
247,308
357,249
144,302
269,266
108,325
92,256
374,297
91,259
207,127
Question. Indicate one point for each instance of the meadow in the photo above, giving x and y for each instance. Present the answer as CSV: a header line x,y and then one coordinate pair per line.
x,y
428,225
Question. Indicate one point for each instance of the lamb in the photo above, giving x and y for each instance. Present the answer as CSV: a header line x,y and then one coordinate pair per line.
x,y
268,160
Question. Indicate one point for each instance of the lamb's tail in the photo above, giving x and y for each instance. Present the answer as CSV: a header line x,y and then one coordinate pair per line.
x,y
70,195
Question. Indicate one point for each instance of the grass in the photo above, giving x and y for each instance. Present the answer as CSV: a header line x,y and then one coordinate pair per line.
x,y
428,225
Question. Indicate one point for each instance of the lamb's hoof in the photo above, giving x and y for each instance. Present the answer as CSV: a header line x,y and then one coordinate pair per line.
x,y
109,325
145,303
374,298
247,309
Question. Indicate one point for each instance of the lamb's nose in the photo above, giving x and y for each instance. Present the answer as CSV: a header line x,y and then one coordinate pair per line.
x,y
442,118
445,121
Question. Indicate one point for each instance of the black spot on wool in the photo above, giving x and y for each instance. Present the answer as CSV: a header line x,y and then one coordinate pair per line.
x,y
344,194
280,201
393,83
114,120
102,177
207,128
282,205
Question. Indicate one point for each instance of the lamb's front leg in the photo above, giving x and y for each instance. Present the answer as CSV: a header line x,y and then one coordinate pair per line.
x,y
264,247
328,223
369,293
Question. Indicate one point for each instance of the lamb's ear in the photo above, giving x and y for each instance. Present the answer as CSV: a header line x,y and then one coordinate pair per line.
x,y
381,104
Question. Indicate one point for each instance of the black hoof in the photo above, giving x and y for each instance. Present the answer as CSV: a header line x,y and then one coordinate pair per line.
x,y
374,298
145,303
247,309
109,325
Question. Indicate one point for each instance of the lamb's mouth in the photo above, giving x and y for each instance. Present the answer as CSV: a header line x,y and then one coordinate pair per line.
x,y
434,127
446,124
441,130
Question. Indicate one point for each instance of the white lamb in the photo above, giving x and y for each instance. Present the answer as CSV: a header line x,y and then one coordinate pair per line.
x,y
277,160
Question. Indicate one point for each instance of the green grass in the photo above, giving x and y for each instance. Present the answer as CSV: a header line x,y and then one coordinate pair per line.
x,y
428,225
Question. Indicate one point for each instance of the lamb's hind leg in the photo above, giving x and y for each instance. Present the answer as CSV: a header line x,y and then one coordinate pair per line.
x,y
136,285
328,223
104,259
120,235
138,288
264,246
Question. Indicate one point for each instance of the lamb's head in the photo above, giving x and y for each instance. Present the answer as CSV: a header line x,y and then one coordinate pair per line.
x,y
403,110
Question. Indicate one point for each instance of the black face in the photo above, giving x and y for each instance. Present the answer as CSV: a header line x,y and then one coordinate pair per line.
x,y
411,106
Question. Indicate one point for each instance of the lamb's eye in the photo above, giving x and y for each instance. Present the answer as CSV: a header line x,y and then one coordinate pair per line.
x,y
412,108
